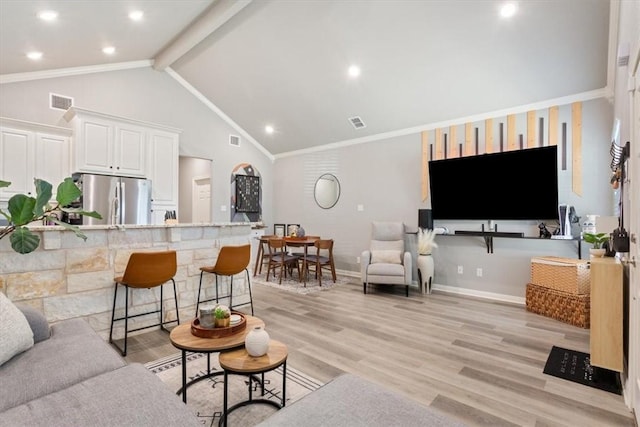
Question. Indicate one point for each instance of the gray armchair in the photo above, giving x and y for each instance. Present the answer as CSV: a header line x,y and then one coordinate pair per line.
x,y
386,262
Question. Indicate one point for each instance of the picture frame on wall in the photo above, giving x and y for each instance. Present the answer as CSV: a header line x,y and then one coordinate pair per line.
x,y
278,230
291,228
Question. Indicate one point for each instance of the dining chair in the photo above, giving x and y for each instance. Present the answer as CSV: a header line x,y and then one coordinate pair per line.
x,y
145,270
322,259
232,260
263,253
278,258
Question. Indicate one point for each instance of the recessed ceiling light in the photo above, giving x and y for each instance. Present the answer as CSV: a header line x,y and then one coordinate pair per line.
x,y
354,71
136,15
269,129
48,15
109,50
34,55
508,10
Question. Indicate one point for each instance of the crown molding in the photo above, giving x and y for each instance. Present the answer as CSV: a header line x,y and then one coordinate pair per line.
x,y
74,71
584,96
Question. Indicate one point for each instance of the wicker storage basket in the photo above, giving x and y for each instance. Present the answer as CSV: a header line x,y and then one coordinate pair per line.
x,y
562,306
563,274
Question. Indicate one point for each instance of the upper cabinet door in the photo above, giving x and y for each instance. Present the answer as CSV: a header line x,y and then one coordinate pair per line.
x,y
16,162
130,149
52,159
163,165
94,146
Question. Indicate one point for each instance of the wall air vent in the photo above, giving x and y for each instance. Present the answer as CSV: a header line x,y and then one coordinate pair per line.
x,y
234,140
60,102
357,122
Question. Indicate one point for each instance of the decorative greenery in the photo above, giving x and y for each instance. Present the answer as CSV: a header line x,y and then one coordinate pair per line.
x,y
23,209
426,241
596,239
222,312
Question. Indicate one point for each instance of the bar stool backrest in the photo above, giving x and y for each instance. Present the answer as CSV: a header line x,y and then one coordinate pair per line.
x,y
149,269
232,260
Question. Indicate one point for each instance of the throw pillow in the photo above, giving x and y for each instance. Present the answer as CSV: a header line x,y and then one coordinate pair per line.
x,y
15,333
386,256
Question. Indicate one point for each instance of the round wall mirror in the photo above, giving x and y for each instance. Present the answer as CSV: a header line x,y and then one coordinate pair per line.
x,y
327,191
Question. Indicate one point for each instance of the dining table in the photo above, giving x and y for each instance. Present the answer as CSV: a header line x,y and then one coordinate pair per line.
x,y
301,242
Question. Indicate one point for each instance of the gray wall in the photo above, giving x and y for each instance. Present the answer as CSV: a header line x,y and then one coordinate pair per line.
x,y
152,96
385,177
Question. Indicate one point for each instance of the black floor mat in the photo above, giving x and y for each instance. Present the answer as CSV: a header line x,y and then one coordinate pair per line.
x,y
575,366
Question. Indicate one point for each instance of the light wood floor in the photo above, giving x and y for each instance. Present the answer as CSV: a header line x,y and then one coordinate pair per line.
x,y
480,362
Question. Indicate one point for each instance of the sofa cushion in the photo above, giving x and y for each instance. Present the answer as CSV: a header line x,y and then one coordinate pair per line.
x,y
74,353
129,396
37,322
16,335
386,256
352,401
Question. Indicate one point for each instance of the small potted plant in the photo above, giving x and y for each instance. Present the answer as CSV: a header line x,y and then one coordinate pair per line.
x,y
222,316
596,240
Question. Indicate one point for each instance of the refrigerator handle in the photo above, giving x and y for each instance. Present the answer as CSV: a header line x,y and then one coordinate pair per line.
x,y
123,207
115,207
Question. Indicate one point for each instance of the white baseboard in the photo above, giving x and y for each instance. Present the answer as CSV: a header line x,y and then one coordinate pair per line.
x,y
455,290
479,294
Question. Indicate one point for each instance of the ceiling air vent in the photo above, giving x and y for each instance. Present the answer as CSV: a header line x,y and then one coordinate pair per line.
x,y
234,140
60,102
357,122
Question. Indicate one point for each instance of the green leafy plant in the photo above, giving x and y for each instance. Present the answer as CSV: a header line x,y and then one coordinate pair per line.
x,y
222,312
23,209
595,239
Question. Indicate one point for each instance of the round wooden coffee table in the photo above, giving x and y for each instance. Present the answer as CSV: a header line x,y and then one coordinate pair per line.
x,y
182,338
240,363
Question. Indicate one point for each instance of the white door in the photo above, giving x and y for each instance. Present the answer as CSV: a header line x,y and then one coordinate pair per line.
x,y
634,232
201,206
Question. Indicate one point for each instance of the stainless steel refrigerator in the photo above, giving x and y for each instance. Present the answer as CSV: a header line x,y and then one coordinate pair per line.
x,y
120,200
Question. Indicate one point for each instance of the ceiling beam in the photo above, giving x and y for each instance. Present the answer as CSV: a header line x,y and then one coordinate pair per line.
x,y
212,19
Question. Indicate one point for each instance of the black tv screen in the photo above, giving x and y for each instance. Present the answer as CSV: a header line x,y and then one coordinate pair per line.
x,y
512,185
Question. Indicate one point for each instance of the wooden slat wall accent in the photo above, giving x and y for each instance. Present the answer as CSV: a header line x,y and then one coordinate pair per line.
x,y
488,136
512,143
453,142
425,165
439,154
469,146
553,125
531,129
576,148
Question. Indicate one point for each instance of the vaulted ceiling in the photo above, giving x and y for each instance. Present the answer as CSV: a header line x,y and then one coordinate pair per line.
x,y
284,63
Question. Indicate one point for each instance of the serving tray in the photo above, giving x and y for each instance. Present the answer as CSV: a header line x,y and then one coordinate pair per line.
x,y
202,332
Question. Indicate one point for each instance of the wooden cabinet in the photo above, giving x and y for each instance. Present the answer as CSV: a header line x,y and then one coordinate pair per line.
x,y
106,144
606,314
31,150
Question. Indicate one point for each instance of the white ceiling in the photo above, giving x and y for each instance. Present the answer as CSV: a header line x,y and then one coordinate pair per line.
x,y
284,63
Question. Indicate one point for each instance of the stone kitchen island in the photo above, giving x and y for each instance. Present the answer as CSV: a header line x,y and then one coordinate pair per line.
x,y
67,277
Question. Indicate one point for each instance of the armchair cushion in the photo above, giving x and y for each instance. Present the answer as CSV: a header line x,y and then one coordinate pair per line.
x,y
386,256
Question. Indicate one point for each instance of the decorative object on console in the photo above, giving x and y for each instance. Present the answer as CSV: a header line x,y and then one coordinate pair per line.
x,y
278,230
596,240
292,230
544,232
257,342
300,232
23,209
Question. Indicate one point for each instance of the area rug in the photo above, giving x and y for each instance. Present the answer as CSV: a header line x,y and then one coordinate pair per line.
x,y
576,366
206,397
295,285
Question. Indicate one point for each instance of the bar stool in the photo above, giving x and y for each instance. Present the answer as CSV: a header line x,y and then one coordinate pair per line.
x,y
231,260
145,270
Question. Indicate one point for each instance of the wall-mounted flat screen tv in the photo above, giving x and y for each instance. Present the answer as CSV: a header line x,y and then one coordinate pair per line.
x,y
512,185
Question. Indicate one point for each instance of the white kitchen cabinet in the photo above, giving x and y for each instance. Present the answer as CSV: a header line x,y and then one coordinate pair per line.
x,y
107,145
31,150
163,166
